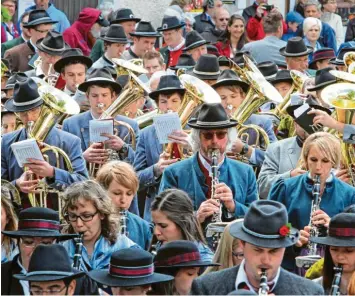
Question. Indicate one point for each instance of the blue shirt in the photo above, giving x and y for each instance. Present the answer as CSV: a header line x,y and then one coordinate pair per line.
x,y
139,230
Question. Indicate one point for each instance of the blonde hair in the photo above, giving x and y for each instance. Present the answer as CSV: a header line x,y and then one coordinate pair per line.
x,y
11,224
119,171
224,255
310,22
90,190
328,144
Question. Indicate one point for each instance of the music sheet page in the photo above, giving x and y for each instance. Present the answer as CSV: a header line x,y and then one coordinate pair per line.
x,y
26,149
165,124
97,127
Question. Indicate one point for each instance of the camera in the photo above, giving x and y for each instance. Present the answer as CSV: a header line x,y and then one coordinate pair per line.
x,y
269,7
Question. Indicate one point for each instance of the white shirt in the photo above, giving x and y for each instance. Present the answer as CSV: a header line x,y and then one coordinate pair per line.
x,y
207,165
69,92
243,278
25,284
178,46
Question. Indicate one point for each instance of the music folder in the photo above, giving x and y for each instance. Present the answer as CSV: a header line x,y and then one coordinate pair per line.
x,y
26,149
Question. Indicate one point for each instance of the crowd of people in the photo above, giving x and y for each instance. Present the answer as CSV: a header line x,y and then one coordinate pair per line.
x,y
212,155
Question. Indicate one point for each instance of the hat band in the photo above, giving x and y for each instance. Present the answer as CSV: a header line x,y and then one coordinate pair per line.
x,y
129,272
212,123
38,224
27,103
52,49
48,272
271,76
187,257
268,236
206,73
346,232
100,79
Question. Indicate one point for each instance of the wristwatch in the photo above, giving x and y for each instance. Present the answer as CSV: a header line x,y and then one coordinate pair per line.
x,y
245,149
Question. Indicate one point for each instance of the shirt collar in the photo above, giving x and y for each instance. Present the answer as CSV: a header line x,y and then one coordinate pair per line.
x,y
177,47
92,115
25,284
243,278
132,53
105,58
206,164
68,91
33,45
329,179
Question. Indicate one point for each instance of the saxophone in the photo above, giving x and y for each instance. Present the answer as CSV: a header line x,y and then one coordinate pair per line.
x,y
78,250
263,287
312,257
123,222
335,290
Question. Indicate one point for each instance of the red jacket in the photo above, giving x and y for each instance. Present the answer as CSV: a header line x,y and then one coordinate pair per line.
x,y
223,48
77,35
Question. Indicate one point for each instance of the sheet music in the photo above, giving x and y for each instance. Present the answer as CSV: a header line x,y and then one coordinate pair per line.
x,y
26,149
97,127
300,110
165,124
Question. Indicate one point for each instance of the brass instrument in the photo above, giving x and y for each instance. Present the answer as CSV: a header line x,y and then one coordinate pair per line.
x,y
4,69
263,286
349,58
14,193
78,250
335,290
146,119
312,257
341,96
124,67
52,78
343,76
123,222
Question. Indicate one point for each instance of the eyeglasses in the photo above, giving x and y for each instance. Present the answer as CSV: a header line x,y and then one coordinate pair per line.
x,y
209,135
30,243
223,19
54,291
240,256
85,218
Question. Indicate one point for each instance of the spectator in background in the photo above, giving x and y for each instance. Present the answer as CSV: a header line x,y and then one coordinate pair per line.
x,y
268,48
250,11
350,31
299,7
177,8
85,30
25,36
329,7
234,37
222,18
293,20
205,20
54,13
106,8
9,29
189,22
311,30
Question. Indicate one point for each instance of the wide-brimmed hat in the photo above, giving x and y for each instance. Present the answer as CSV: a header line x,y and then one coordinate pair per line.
x,y
339,59
124,15
185,61
168,84
276,233
145,29
282,76
180,253
53,44
99,77
229,77
38,222
102,21
322,79
223,61
115,34
341,232
193,40
297,101
70,55
49,263
129,268
38,17
321,54
295,47
206,68
212,116
25,97
268,69
170,23
239,57
16,77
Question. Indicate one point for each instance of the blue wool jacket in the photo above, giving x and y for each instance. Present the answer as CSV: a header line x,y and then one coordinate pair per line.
x,y
187,176
139,230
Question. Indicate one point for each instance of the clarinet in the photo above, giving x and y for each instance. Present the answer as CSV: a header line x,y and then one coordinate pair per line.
x,y
217,217
123,222
314,232
78,250
338,270
263,287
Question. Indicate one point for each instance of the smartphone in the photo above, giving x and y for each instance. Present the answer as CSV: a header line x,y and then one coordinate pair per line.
x,y
269,7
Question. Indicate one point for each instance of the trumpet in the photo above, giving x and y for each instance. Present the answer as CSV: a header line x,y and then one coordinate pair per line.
x,y
51,78
263,287
335,290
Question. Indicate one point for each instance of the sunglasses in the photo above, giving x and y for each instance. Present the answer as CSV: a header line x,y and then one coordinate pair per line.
x,y
223,19
209,135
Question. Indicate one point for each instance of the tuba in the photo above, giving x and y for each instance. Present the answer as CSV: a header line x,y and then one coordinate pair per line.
x,y
349,58
342,76
124,67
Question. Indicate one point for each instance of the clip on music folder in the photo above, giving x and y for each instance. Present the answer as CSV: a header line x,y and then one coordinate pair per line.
x,y
305,120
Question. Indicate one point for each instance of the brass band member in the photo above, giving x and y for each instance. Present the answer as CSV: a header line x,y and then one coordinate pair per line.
x,y
264,247
321,154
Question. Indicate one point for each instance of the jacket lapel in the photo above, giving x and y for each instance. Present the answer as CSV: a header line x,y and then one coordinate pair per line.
x,y
291,153
84,130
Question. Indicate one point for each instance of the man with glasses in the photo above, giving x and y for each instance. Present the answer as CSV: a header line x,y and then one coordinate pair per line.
x,y
38,25
236,186
214,34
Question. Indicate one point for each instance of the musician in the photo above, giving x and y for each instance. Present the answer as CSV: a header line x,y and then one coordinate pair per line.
x,y
282,82
27,103
206,69
153,62
264,246
185,62
100,88
72,67
321,58
232,91
39,24
321,153
87,210
10,84
48,276
151,161
115,41
36,226
195,45
296,53
121,183
171,29
339,60
144,39
134,276
8,121
237,185
182,260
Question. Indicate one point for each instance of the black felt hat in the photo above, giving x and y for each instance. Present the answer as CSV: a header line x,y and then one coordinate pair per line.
x,y
268,69
168,84
38,17
295,47
206,68
339,59
70,55
229,77
124,15
323,79
129,268
212,116
115,34
223,61
193,40
145,29
100,76
170,23
282,76
53,44
16,77
185,61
